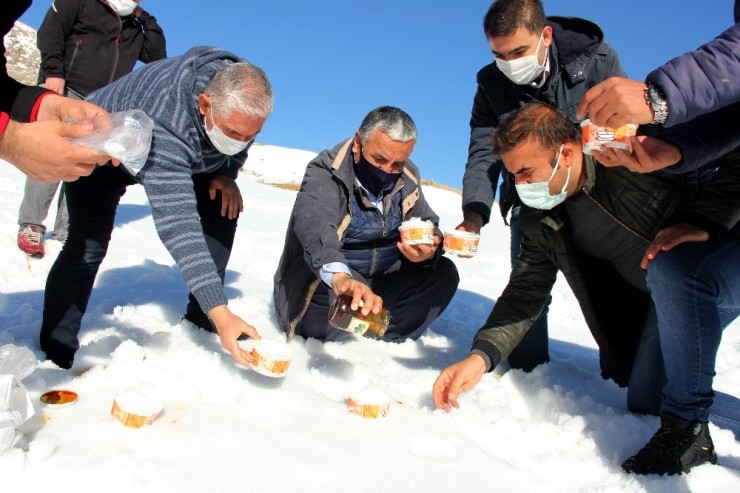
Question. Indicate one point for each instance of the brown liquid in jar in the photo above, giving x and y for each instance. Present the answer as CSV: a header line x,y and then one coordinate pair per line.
x,y
342,316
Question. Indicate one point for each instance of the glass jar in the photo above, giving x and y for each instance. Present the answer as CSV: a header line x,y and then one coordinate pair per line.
x,y
342,316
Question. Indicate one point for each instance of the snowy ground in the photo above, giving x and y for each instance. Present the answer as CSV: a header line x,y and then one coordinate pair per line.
x,y
227,428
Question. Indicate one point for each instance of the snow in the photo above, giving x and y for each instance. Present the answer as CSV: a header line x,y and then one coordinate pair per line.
x,y
227,428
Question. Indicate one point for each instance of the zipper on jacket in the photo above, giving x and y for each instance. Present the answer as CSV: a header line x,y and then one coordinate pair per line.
x,y
118,50
78,45
614,218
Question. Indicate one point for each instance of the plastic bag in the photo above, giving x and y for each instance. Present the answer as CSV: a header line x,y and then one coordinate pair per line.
x,y
17,361
126,136
16,407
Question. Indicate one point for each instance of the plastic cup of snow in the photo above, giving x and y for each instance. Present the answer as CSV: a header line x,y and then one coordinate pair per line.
x,y
595,137
417,232
136,408
461,243
369,403
59,397
271,358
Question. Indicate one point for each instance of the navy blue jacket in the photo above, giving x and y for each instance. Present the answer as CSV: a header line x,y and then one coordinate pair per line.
x,y
702,88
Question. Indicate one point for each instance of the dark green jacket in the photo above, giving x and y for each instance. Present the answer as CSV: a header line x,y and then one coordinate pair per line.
x,y
613,309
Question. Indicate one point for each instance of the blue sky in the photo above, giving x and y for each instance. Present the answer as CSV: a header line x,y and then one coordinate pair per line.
x,y
332,61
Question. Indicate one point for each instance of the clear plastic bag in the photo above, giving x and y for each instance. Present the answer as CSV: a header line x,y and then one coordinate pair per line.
x,y
18,361
16,407
126,136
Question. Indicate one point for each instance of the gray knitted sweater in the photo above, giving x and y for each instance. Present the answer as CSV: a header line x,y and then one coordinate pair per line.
x,y
168,91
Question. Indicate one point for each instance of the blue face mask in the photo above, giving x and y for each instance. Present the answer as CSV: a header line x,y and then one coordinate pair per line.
x,y
537,195
374,179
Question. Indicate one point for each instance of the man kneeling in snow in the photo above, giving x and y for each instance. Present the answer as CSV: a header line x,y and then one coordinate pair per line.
x,y
207,106
343,237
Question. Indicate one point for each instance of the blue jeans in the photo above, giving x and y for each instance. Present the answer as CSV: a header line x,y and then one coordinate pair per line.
x,y
533,350
696,291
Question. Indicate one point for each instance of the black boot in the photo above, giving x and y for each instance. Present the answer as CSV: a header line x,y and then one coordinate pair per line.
x,y
675,448
200,320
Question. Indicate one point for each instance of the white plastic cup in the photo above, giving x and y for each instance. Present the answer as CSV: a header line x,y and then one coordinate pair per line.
x,y
271,358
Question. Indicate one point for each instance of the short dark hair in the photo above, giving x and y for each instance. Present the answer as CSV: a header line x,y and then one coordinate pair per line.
x,y
545,125
505,17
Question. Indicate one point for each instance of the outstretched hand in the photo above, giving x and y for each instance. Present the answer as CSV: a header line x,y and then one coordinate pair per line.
x,y
456,379
229,327
648,154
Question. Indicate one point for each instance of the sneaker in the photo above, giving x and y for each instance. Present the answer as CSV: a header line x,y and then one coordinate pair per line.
x,y
31,240
675,448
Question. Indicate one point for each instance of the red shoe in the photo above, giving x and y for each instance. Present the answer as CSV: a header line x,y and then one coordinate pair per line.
x,y
31,240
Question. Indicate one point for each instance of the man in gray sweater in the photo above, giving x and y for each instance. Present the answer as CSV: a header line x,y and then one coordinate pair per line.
x,y
207,106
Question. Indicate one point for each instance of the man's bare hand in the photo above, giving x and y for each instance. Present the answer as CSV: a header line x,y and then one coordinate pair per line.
x,y
344,284
472,223
231,197
456,379
55,84
648,154
229,328
60,108
671,237
616,102
419,253
42,150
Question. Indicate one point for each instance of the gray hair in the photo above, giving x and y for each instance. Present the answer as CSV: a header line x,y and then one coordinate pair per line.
x,y
394,122
240,88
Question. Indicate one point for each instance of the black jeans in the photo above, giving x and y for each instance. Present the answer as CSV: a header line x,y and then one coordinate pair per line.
x,y
92,202
415,296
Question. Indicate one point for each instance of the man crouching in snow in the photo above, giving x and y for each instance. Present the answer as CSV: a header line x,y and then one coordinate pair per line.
x,y
343,237
207,105
623,241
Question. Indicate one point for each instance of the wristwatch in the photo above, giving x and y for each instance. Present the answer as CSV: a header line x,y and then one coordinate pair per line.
x,y
654,97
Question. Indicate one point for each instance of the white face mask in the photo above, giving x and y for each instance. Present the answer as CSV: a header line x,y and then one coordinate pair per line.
x,y
123,7
225,144
537,195
523,70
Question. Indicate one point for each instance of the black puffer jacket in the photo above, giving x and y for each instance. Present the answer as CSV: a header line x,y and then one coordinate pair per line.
x,y
86,43
579,60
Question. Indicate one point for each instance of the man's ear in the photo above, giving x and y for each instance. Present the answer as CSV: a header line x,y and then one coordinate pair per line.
x,y
547,36
204,102
356,146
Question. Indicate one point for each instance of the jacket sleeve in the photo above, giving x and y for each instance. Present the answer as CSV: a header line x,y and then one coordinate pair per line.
x,y
52,36
483,168
167,180
155,46
702,80
705,138
317,213
519,305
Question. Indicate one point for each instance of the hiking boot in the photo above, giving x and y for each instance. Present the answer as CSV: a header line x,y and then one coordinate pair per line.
x,y
675,448
31,240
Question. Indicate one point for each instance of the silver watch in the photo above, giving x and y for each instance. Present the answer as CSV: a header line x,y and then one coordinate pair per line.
x,y
654,96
